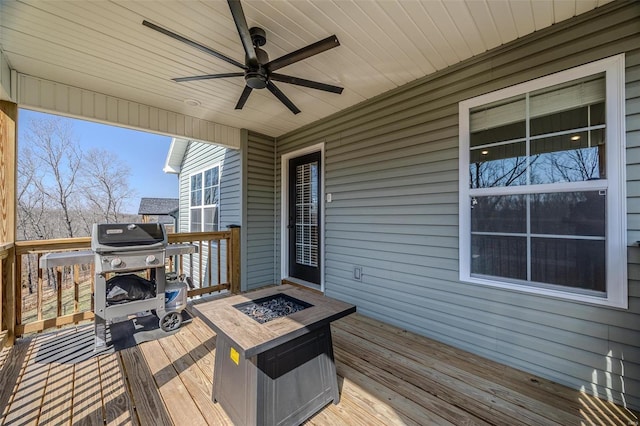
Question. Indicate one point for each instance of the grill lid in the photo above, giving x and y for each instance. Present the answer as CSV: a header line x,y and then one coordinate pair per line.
x,y
107,237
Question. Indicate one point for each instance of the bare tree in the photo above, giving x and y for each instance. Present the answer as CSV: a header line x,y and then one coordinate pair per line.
x,y
32,204
53,151
501,171
63,191
574,165
105,186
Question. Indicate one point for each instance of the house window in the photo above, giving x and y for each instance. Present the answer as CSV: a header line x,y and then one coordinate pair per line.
x,y
542,203
204,196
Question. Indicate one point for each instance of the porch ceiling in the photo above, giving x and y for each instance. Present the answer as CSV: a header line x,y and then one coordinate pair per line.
x,y
103,47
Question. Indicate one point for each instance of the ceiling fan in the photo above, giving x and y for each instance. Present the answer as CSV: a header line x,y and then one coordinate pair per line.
x,y
258,69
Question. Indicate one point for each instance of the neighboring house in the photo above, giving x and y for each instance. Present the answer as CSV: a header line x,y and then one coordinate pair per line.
x,y
159,210
209,192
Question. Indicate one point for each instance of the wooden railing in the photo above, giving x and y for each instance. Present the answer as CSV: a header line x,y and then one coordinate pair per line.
x,y
6,256
63,295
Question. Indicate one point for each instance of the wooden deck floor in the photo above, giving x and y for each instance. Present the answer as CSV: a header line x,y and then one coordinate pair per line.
x,y
387,376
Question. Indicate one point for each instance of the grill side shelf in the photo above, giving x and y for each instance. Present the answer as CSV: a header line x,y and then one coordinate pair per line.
x,y
52,260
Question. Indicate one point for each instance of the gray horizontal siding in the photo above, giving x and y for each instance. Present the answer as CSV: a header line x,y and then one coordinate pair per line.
x,y
391,167
260,227
626,337
198,157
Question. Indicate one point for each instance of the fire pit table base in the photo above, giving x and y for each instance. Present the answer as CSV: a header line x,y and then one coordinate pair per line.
x,y
282,386
274,354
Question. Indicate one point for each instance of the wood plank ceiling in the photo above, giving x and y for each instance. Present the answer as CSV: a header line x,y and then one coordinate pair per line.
x,y
102,46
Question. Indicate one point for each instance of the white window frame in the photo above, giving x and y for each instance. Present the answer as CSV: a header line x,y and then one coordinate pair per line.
x,y
203,206
615,184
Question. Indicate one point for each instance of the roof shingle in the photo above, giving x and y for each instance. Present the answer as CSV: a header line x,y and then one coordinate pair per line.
x,y
160,206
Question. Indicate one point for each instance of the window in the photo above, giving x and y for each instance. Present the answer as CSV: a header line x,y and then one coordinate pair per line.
x,y
306,218
204,200
542,203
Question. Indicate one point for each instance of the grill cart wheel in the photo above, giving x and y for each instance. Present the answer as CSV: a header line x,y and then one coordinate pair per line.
x,y
171,321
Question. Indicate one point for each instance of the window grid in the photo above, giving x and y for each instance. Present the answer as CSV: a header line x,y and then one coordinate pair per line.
x,y
528,198
529,235
307,214
606,151
204,200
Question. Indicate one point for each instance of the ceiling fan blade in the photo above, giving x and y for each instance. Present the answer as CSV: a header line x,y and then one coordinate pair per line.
x,y
281,96
193,44
243,97
243,31
208,77
304,53
306,83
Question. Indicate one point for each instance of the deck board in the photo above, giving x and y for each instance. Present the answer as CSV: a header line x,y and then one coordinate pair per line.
x,y
87,394
387,376
448,378
11,375
539,389
25,407
381,403
202,352
57,403
196,382
180,404
146,398
117,404
428,402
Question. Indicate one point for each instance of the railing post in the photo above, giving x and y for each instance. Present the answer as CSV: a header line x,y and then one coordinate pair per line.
x,y
17,289
2,281
234,280
9,300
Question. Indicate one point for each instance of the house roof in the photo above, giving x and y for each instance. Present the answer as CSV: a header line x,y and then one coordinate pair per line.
x,y
166,220
98,61
158,206
173,163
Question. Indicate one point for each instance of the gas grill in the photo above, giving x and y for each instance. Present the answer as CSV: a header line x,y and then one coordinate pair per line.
x,y
130,273
122,252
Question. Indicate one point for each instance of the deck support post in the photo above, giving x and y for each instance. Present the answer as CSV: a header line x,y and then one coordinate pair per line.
x,y
8,178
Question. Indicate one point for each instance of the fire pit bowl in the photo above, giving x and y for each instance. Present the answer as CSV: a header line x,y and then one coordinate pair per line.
x,y
272,307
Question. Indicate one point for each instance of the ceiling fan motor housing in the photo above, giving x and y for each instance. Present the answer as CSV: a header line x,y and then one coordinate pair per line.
x,y
257,78
258,36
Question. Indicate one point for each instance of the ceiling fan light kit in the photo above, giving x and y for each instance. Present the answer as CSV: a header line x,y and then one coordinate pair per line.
x,y
258,71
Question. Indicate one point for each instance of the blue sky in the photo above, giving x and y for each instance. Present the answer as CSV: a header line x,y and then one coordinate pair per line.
x,y
145,153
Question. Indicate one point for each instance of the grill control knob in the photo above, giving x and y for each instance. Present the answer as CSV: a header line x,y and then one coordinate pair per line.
x,y
115,262
150,259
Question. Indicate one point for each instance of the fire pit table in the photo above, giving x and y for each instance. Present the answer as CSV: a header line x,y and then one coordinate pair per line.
x,y
274,360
